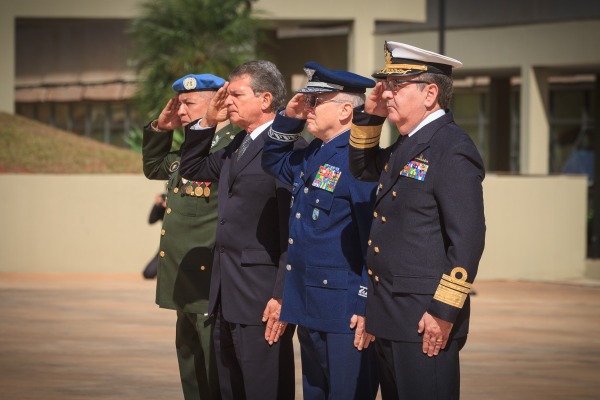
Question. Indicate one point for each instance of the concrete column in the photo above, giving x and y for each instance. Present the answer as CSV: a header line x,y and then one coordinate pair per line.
x,y
363,62
7,63
535,124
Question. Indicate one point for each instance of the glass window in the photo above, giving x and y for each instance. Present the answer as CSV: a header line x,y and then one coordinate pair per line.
x,y
571,131
470,109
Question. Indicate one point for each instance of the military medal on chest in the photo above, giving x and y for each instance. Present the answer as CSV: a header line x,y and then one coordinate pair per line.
x,y
416,168
194,188
327,177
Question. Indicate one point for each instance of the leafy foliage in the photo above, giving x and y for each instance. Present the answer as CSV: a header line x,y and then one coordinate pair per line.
x,y
173,38
135,139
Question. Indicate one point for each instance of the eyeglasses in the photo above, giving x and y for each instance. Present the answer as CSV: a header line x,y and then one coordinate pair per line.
x,y
397,84
313,101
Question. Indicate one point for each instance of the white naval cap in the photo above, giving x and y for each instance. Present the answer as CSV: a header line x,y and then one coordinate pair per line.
x,y
402,59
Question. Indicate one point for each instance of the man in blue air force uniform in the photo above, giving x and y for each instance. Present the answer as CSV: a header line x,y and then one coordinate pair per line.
x,y
326,281
428,228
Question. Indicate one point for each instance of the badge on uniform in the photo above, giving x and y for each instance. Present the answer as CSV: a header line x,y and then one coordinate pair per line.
x,y
415,170
362,291
327,177
315,214
174,166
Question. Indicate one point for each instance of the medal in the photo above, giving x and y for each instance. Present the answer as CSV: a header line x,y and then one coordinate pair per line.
x,y
327,177
189,190
206,191
198,191
415,170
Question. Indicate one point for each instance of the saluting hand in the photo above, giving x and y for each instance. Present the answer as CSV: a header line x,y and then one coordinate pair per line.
x,y
362,339
295,107
274,327
168,119
217,109
374,103
435,333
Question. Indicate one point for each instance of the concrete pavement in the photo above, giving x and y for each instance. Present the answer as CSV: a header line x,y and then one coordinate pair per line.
x,y
71,337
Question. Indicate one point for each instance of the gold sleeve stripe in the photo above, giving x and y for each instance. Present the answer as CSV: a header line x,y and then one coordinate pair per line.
x,y
364,143
364,137
452,290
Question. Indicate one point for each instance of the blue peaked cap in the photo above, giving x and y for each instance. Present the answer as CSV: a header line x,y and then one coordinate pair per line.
x,y
323,80
198,83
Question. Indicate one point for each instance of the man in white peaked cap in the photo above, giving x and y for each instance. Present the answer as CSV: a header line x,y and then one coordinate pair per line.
x,y
428,228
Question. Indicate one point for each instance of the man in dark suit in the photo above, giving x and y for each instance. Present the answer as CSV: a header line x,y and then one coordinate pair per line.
x,y
187,234
326,279
428,228
251,237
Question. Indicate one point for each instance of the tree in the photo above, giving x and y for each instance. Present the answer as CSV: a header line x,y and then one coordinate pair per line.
x,y
173,38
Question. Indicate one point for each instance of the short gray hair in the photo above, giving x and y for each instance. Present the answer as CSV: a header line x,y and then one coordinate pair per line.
x,y
444,84
264,77
356,99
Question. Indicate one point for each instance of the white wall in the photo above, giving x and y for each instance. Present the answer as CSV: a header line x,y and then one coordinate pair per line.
x,y
79,223
98,223
536,227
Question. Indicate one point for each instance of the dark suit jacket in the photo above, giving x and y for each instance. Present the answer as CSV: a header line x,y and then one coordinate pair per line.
x,y
252,228
422,229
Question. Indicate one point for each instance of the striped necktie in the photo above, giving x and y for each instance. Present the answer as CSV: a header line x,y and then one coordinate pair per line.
x,y
244,145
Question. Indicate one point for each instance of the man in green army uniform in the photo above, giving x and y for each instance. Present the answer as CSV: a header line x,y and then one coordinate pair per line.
x,y
187,234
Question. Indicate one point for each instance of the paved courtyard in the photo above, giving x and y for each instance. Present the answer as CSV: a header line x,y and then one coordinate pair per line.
x,y
71,337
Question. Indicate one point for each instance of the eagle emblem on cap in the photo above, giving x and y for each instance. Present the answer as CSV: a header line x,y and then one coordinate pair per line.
x,y
189,83
309,73
388,54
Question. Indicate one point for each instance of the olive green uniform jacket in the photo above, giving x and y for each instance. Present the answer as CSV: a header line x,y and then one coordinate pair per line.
x,y
188,230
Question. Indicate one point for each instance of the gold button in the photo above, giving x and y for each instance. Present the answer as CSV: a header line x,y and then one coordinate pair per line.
x,y
176,190
375,214
369,242
376,278
385,167
376,249
162,232
394,194
169,210
202,267
383,219
370,271
381,186
162,253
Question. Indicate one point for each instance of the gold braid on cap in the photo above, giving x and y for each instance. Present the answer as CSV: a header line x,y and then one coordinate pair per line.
x,y
452,290
400,69
365,137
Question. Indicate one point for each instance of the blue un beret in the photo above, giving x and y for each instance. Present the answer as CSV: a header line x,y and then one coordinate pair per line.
x,y
198,83
323,80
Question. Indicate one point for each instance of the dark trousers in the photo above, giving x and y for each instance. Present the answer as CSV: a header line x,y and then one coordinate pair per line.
x,y
248,367
332,368
195,353
406,373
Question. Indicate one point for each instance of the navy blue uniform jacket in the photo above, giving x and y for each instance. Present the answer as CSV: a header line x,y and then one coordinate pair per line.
x,y
251,234
428,228
326,282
